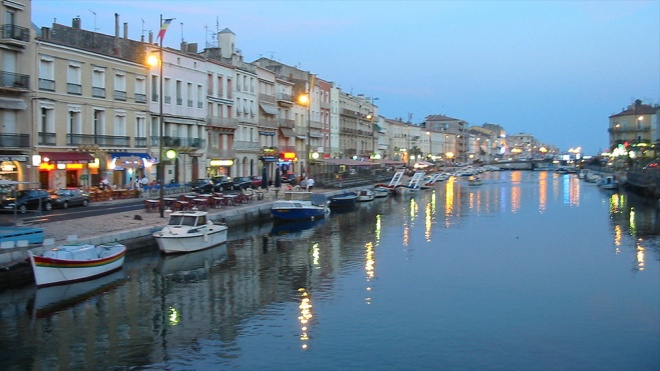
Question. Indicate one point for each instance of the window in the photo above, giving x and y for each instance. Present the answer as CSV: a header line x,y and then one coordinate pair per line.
x,y
200,96
189,94
179,97
167,90
154,88
140,90
98,82
75,121
140,131
120,124
73,85
120,87
46,74
99,124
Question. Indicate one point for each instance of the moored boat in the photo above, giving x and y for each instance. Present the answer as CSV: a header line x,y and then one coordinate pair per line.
x,y
365,195
381,192
300,206
344,200
608,182
189,231
394,182
412,187
474,180
73,262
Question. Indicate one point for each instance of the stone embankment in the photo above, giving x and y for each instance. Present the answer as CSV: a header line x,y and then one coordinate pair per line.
x,y
135,228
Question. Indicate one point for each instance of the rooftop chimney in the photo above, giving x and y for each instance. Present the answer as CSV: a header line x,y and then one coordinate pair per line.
x,y
125,30
76,23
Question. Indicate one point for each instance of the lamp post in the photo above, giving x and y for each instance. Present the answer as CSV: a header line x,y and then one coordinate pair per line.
x,y
306,99
430,144
372,116
152,60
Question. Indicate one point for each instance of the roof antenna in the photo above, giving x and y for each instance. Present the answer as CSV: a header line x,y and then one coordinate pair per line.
x,y
93,12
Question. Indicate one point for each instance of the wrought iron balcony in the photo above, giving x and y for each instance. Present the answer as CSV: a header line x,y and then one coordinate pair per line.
x,y
14,140
47,139
223,122
14,81
100,140
12,32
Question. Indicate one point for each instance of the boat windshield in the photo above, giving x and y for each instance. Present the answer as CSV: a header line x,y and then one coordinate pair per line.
x,y
182,220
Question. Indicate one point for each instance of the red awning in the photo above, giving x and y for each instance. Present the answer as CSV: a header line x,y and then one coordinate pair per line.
x,y
66,157
347,162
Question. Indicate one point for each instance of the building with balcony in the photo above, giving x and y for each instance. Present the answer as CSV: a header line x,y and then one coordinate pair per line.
x,y
636,126
90,108
16,84
456,137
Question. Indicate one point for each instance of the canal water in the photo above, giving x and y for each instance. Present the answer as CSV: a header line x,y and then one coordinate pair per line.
x,y
530,270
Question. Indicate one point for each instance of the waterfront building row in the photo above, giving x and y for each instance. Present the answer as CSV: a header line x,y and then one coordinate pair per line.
x,y
78,106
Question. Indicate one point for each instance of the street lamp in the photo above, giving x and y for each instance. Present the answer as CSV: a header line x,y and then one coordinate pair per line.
x,y
152,61
306,99
430,145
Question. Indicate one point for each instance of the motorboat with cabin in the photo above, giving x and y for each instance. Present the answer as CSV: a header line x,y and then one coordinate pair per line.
x,y
189,231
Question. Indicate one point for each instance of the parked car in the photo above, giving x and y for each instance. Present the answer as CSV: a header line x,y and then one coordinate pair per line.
x,y
69,197
222,183
203,185
256,181
289,178
242,182
28,199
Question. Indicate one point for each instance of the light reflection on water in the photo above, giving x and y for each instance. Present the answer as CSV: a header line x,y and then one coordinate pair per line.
x,y
531,270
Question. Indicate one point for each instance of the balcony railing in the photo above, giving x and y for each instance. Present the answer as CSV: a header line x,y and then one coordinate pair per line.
x,y
219,153
178,142
245,146
14,32
284,123
140,142
223,122
98,92
45,84
75,89
267,98
101,140
154,97
190,102
168,99
284,97
14,140
140,98
120,95
14,80
265,123
47,139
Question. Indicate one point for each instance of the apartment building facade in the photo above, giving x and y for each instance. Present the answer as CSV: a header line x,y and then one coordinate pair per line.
x,y
16,85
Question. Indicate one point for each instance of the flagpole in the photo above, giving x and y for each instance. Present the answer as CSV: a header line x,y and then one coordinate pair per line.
x,y
161,158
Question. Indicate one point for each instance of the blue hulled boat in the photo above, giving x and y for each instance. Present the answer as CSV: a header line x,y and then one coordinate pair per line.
x,y
300,206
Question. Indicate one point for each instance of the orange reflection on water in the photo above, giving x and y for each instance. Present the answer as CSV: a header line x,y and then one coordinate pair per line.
x,y
618,233
305,315
640,258
449,200
543,190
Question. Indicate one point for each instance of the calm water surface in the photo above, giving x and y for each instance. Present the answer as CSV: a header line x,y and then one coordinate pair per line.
x,y
530,270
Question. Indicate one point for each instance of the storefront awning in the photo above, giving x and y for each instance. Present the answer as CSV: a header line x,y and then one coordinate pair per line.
x,y
288,132
269,108
66,157
129,154
12,103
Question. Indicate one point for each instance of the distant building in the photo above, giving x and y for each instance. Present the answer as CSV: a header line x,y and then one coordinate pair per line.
x,y
635,125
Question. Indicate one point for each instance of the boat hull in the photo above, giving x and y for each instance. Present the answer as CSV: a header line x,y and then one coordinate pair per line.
x,y
343,201
54,270
171,243
303,213
405,190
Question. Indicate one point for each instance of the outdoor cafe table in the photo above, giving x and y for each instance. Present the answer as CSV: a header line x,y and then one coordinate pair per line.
x,y
200,203
231,199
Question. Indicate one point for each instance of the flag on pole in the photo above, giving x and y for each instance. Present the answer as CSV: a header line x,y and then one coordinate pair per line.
x,y
163,28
